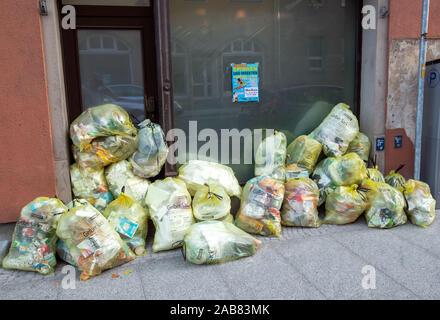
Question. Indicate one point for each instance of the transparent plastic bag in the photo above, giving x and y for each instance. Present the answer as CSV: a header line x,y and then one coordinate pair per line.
x,y
260,207
345,205
101,121
341,171
92,187
375,175
197,173
361,145
217,242
152,153
337,130
130,220
386,206
304,151
64,253
394,179
104,151
34,239
211,203
420,206
294,171
270,158
169,203
92,241
120,175
300,206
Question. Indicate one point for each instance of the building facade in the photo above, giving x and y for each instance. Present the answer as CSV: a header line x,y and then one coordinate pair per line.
x,y
170,61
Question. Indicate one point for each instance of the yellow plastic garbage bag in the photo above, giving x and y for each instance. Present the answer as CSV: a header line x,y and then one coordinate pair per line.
x,y
120,175
337,130
300,205
386,206
198,173
260,207
104,151
270,158
130,220
229,218
375,175
294,171
217,242
101,121
345,205
92,241
211,203
340,171
394,179
152,153
169,203
361,145
305,152
92,187
420,206
34,239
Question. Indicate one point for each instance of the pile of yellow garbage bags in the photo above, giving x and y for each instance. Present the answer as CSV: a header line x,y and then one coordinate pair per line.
x,y
118,188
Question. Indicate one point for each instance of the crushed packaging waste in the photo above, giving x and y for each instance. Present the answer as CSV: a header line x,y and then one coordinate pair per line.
x,y
345,205
294,171
305,152
420,205
300,205
130,220
101,121
259,212
102,152
340,171
152,153
92,187
361,145
34,239
386,206
170,209
217,242
270,158
337,131
92,241
120,175
198,173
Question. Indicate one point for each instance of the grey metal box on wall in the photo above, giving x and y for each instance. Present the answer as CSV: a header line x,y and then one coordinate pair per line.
x,y
430,164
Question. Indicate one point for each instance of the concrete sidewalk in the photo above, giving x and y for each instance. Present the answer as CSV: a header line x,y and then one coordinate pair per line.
x,y
325,263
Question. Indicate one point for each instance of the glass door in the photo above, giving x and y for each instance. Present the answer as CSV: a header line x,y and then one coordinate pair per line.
x,y
110,58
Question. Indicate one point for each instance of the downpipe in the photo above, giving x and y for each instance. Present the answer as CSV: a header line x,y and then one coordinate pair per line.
x,y
421,90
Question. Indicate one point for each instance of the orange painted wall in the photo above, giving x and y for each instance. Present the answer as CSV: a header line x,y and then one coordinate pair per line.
x,y
405,23
406,17
26,160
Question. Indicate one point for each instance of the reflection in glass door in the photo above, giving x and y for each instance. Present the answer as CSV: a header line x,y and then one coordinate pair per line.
x,y
111,70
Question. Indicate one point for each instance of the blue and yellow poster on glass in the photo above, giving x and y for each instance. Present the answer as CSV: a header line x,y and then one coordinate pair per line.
x,y
245,82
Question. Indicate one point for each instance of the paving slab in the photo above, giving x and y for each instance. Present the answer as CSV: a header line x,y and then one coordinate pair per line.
x,y
336,271
407,264
324,263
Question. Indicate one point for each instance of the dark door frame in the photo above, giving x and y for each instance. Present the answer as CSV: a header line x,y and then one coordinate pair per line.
x,y
154,23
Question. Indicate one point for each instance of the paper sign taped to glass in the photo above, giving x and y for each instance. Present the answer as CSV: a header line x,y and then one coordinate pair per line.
x,y
245,81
